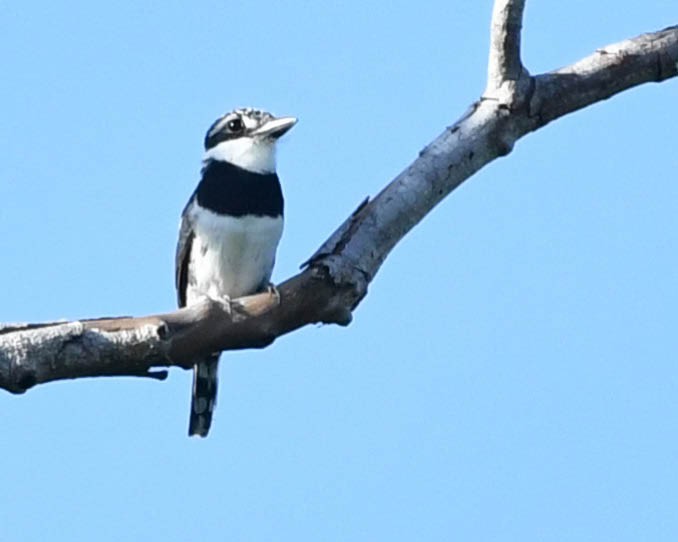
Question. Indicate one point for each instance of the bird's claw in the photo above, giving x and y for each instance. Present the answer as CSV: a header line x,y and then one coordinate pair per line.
x,y
272,290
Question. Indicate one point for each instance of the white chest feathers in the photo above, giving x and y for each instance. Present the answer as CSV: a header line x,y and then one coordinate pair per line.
x,y
230,256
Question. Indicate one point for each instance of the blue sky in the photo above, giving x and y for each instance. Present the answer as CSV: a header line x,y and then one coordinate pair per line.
x,y
511,375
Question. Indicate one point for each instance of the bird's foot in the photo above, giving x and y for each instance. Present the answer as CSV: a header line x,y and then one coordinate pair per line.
x,y
272,290
259,303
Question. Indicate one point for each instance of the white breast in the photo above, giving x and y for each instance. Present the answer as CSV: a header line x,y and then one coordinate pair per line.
x,y
231,256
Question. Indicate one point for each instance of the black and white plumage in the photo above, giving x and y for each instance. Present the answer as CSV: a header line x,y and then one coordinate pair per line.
x,y
230,229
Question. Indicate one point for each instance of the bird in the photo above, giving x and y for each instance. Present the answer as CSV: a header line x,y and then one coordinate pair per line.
x,y
230,229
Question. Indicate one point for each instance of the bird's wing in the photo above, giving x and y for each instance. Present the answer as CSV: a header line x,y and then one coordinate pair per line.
x,y
183,254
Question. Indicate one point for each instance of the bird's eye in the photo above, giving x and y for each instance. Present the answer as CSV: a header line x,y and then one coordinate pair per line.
x,y
235,125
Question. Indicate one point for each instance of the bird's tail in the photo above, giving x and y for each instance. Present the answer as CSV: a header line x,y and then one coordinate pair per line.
x,y
204,395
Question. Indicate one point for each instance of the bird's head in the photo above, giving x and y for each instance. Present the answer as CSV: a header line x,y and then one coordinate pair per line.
x,y
246,138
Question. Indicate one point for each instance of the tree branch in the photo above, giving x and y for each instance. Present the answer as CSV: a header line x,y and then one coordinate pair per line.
x,y
336,277
504,63
651,57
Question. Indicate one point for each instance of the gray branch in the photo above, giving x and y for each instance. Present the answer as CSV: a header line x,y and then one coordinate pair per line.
x,y
336,277
504,63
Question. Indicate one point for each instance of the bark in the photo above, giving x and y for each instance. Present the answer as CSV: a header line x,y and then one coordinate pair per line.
x,y
336,277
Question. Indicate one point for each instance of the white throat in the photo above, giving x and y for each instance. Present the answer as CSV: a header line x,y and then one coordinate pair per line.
x,y
257,156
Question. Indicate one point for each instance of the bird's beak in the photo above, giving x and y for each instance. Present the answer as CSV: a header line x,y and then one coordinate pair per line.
x,y
275,128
